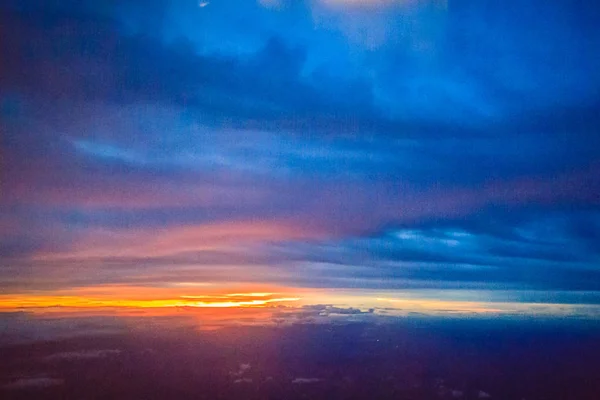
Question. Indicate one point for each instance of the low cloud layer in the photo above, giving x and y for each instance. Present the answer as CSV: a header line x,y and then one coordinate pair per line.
x,y
33,383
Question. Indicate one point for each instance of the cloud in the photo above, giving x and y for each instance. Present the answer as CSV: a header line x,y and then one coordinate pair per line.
x,y
299,381
131,70
243,369
83,355
178,240
30,383
327,310
530,250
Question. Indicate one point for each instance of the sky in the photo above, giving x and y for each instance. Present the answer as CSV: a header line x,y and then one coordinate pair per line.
x,y
432,156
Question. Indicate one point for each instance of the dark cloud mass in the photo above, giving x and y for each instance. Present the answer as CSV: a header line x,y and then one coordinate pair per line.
x,y
426,144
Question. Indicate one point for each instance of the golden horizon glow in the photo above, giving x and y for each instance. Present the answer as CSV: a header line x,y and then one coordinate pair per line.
x,y
164,301
146,297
